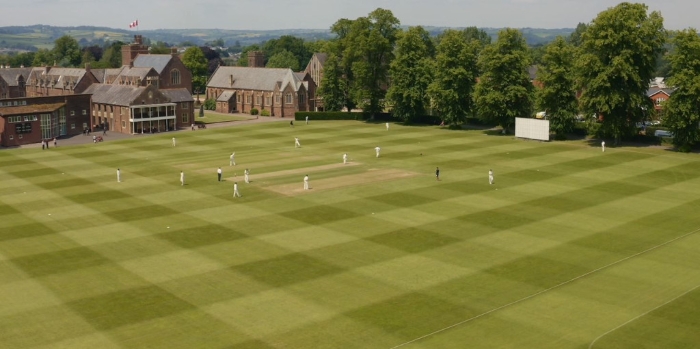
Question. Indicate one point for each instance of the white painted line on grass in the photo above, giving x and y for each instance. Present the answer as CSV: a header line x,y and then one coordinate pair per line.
x,y
641,315
545,290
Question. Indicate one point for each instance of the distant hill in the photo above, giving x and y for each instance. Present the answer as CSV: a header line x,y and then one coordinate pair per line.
x,y
42,36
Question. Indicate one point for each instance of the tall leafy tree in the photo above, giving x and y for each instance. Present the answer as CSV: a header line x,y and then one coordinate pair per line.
x,y
67,51
576,37
557,96
194,60
504,91
455,77
474,33
682,110
283,59
620,50
333,88
291,44
372,41
43,57
411,74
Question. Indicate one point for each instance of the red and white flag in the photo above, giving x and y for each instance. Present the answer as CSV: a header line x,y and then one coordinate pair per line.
x,y
134,24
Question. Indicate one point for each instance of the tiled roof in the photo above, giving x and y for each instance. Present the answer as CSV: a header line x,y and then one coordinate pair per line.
x,y
177,95
246,78
157,62
99,75
29,109
225,96
654,90
58,77
114,94
10,75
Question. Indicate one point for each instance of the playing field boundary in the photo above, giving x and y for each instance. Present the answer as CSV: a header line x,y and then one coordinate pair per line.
x,y
641,315
555,287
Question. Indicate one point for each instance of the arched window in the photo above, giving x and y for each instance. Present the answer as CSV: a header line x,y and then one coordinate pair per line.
x,y
174,77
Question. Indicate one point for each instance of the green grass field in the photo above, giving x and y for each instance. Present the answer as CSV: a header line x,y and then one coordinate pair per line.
x,y
571,248
211,117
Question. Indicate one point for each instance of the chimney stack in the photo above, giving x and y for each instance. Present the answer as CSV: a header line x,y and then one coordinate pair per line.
x,y
173,51
87,67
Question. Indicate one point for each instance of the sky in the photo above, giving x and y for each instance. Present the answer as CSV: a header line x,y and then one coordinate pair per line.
x,y
321,14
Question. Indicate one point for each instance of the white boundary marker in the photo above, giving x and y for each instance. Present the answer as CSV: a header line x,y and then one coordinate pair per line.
x,y
641,315
549,289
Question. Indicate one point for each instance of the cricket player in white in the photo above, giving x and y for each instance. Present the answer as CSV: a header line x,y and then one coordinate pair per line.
x,y
377,149
602,145
245,174
306,182
387,126
182,178
490,176
296,142
235,190
218,174
307,119
232,159
119,176
345,158
173,141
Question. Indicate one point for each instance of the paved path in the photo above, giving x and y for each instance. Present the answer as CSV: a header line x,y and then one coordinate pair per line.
x,y
113,136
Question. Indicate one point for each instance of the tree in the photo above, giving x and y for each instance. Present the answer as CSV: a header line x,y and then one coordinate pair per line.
x,y
619,54
371,51
682,110
67,51
112,57
42,57
576,37
283,59
194,60
243,61
557,97
411,74
455,76
291,44
333,88
505,91
159,47
474,33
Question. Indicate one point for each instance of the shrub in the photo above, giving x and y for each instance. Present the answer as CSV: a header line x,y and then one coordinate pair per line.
x,y
254,111
210,104
264,112
328,115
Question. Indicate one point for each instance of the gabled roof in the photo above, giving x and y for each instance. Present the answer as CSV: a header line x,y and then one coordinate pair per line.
x,y
260,79
157,62
30,109
115,94
59,77
654,90
11,75
177,95
225,96
322,57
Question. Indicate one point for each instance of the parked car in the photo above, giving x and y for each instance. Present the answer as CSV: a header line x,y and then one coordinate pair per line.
x,y
663,133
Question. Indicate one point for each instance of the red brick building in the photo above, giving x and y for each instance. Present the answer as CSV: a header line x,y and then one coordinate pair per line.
x,y
137,109
31,120
12,81
57,81
279,91
659,95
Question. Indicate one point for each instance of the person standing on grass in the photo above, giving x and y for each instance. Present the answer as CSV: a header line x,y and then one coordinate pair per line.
x,y
296,142
490,176
94,139
437,173
377,149
182,178
291,123
345,158
602,146
235,190
119,176
218,174
192,127
306,182
387,126
232,159
174,141
307,119
246,173
55,144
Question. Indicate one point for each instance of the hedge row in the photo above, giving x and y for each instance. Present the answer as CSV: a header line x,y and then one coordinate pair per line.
x,y
339,115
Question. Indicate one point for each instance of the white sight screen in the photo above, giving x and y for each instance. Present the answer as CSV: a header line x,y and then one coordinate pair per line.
x,y
532,129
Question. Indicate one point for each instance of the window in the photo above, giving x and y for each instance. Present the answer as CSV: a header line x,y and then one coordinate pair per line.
x,y
174,77
84,125
268,100
13,119
84,112
12,137
288,98
72,126
301,99
278,98
185,105
258,100
19,136
660,101
123,124
247,99
238,98
72,113
185,118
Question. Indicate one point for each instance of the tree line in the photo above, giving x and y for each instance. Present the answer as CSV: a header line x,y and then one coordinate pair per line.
x,y
602,70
